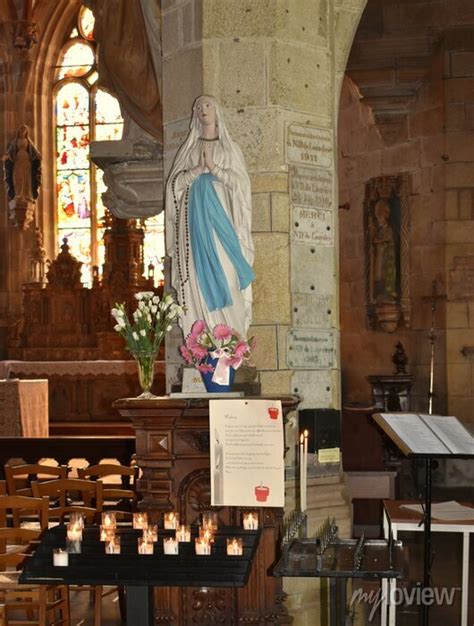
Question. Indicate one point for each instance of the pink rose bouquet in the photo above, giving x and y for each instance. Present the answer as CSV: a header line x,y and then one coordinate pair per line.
x,y
222,344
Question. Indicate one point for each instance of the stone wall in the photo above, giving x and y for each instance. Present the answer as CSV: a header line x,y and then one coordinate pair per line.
x,y
367,149
459,251
427,131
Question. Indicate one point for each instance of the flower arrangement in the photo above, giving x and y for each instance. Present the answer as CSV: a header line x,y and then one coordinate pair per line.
x,y
152,319
216,351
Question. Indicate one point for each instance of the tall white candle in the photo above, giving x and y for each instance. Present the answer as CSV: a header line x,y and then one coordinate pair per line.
x,y
305,469
302,503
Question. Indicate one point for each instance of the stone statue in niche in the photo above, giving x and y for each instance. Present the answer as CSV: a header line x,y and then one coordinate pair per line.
x,y
384,235
208,220
22,167
386,218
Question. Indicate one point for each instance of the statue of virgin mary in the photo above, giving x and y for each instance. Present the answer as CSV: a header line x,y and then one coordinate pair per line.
x,y
208,224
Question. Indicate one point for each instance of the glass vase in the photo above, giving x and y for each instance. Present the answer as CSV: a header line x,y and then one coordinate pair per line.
x,y
146,372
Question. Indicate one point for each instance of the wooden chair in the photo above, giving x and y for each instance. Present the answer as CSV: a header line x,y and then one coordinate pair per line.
x,y
26,605
15,510
118,494
20,477
71,494
88,498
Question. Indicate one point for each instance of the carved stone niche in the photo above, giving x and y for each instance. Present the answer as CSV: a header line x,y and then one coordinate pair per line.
x,y
387,254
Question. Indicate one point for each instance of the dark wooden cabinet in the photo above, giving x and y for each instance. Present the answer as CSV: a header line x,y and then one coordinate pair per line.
x,y
172,448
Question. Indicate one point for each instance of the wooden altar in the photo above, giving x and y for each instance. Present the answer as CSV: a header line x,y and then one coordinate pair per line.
x,y
172,450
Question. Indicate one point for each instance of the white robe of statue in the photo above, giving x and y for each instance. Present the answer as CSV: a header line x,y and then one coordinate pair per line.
x,y
209,149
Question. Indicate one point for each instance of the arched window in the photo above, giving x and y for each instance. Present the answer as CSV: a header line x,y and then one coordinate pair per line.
x,y
84,113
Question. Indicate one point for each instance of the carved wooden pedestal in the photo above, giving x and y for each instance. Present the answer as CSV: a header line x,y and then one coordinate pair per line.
x,y
172,446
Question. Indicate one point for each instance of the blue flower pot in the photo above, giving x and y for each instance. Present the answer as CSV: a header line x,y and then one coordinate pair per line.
x,y
213,387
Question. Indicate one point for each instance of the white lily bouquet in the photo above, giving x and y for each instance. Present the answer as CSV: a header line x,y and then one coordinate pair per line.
x,y
152,319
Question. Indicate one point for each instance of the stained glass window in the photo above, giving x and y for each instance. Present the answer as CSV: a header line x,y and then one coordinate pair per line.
x,y
86,23
85,113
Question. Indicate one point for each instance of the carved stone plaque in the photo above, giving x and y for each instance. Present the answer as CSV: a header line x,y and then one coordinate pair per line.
x,y
461,278
312,226
308,145
310,349
312,311
311,186
315,387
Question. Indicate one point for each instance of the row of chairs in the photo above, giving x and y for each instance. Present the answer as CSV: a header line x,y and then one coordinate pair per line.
x,y
40,495
26,604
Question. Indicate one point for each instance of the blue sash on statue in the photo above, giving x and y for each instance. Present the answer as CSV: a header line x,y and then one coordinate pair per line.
x,y
207,220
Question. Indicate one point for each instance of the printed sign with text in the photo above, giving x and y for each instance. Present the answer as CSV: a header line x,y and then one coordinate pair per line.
x,y
246,443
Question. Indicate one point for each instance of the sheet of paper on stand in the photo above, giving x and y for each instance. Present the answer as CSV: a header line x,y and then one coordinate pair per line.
x,y
247,453
448,511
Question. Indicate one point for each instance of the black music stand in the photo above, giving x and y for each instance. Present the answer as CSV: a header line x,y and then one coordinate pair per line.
x,y
427,437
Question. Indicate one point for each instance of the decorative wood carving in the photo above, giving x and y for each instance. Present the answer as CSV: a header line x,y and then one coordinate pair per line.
x,y
65,321
209,606
386,231
177,478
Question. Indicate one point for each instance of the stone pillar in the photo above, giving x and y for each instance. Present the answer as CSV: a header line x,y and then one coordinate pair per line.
x,y
276,69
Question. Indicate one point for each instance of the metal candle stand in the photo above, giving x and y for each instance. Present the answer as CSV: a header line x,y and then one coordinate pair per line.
x,y
325,555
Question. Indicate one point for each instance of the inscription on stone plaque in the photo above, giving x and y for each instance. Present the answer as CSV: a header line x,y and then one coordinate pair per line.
x,y
311,186
312,226
461,278
312,311
308,145
310,349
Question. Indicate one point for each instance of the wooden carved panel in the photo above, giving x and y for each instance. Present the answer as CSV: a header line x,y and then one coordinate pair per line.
x,y
180,481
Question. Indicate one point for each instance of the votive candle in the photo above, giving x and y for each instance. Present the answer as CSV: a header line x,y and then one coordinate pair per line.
x,y
109,519
151,533
183,533
74,533
60,558
234,546
112,545
202,546
144,546
106,533
209,520
170,520
170,545
140,520
206,534
250,520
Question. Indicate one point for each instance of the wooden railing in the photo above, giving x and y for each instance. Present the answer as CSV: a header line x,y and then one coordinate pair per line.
x,y
62,449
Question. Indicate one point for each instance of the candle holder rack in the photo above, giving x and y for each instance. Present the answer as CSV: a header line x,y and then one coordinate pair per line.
x,y
94,566
325,555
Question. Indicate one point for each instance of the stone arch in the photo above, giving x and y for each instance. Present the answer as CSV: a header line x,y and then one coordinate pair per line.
x,y
347,19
